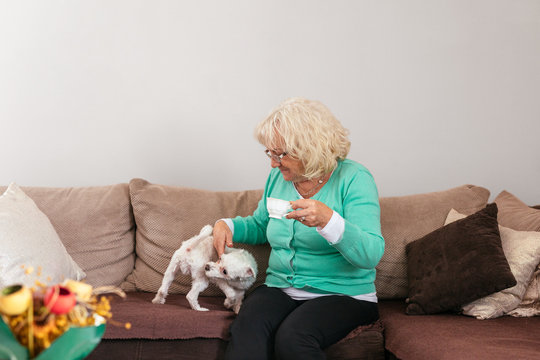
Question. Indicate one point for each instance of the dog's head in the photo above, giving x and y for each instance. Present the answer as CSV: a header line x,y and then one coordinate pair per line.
x,y
233,266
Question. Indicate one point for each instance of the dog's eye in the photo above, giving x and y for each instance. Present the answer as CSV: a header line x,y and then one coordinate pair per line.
x,y
207,268
224,271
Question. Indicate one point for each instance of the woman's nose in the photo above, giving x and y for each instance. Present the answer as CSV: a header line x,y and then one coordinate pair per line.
x,y
274,163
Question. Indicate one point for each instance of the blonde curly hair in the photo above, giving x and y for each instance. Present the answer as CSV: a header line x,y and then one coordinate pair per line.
x,y
307,131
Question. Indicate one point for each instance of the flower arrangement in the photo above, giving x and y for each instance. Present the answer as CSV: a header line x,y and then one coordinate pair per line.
x,y
38,316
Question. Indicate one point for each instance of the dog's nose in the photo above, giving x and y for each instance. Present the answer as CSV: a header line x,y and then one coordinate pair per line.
x,y
207,267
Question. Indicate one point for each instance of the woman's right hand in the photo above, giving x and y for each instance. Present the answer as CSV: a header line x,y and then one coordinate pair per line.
x,y
222,235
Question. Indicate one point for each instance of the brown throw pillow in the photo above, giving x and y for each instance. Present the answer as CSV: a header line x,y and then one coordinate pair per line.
x,y
407,218
456,264
522,250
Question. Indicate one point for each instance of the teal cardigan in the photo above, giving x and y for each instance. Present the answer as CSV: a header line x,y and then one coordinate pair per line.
x,y
300,256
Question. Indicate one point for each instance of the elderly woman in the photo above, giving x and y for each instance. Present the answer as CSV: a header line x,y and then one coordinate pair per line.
x,y
320,277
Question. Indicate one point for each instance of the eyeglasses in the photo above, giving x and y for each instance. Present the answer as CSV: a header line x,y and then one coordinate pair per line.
x,y
276,158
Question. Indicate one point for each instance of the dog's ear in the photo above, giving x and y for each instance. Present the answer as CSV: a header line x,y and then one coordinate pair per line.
x,y
249,271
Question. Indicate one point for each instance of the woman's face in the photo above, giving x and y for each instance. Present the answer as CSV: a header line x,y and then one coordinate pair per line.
x,y
291,169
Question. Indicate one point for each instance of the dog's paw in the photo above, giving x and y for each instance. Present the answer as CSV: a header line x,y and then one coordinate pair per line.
x,y
158,299
236,308
201,309
228,303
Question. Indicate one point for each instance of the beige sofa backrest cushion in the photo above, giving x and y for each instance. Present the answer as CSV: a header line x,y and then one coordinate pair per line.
x,y
95,225
167,215
408,218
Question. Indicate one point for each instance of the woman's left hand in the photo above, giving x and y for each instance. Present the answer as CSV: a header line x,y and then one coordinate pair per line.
x,y
310,212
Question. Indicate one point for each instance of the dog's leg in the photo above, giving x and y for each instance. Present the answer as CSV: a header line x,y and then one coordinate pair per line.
x,y
192,296
168,278
238,300
233,297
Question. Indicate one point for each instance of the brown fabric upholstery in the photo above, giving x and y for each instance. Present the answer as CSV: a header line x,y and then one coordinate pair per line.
x,y
143,349
167,215
176,320
172,320
368,346
451,337
407,218
95,225
456,264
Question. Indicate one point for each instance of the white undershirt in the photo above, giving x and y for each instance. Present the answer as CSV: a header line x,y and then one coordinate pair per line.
x,y
333,233
299,294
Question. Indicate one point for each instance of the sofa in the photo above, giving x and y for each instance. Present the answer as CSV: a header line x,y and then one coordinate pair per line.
x,y
125,234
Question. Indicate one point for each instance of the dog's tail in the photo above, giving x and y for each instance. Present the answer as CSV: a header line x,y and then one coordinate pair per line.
x,y
191,243
206,231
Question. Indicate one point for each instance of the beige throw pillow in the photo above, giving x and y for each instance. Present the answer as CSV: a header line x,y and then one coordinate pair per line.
x,y
522,250
530,306
30,247
517,215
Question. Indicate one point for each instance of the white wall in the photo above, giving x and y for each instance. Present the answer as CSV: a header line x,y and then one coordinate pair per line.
x,y
435,93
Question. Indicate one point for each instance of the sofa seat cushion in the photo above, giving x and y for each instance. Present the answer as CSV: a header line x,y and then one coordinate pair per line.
x,y
175,320
451,336
144,349
172,320
369,346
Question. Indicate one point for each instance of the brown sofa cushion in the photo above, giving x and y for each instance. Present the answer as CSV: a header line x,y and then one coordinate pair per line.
x,y
176,320
451,337
456,264
172,320
407,218
95,225
167,215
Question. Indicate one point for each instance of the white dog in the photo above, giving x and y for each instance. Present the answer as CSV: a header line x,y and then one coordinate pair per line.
x,y
234,273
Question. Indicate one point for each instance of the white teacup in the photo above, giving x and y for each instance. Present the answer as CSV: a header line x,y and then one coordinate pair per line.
x,y
277,208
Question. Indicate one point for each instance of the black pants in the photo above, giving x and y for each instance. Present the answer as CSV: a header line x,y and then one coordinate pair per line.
x,y
271,323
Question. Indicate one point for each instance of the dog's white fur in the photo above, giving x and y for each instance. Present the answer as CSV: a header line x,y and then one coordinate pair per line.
x,y
234,273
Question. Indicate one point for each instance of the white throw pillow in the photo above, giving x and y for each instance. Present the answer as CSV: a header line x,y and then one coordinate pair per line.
x,y
522,250
28,241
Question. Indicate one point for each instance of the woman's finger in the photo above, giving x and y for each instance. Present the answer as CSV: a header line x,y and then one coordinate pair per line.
x,y
222,236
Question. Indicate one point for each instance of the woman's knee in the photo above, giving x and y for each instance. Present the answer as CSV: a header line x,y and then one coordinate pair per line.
x,y
293,341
